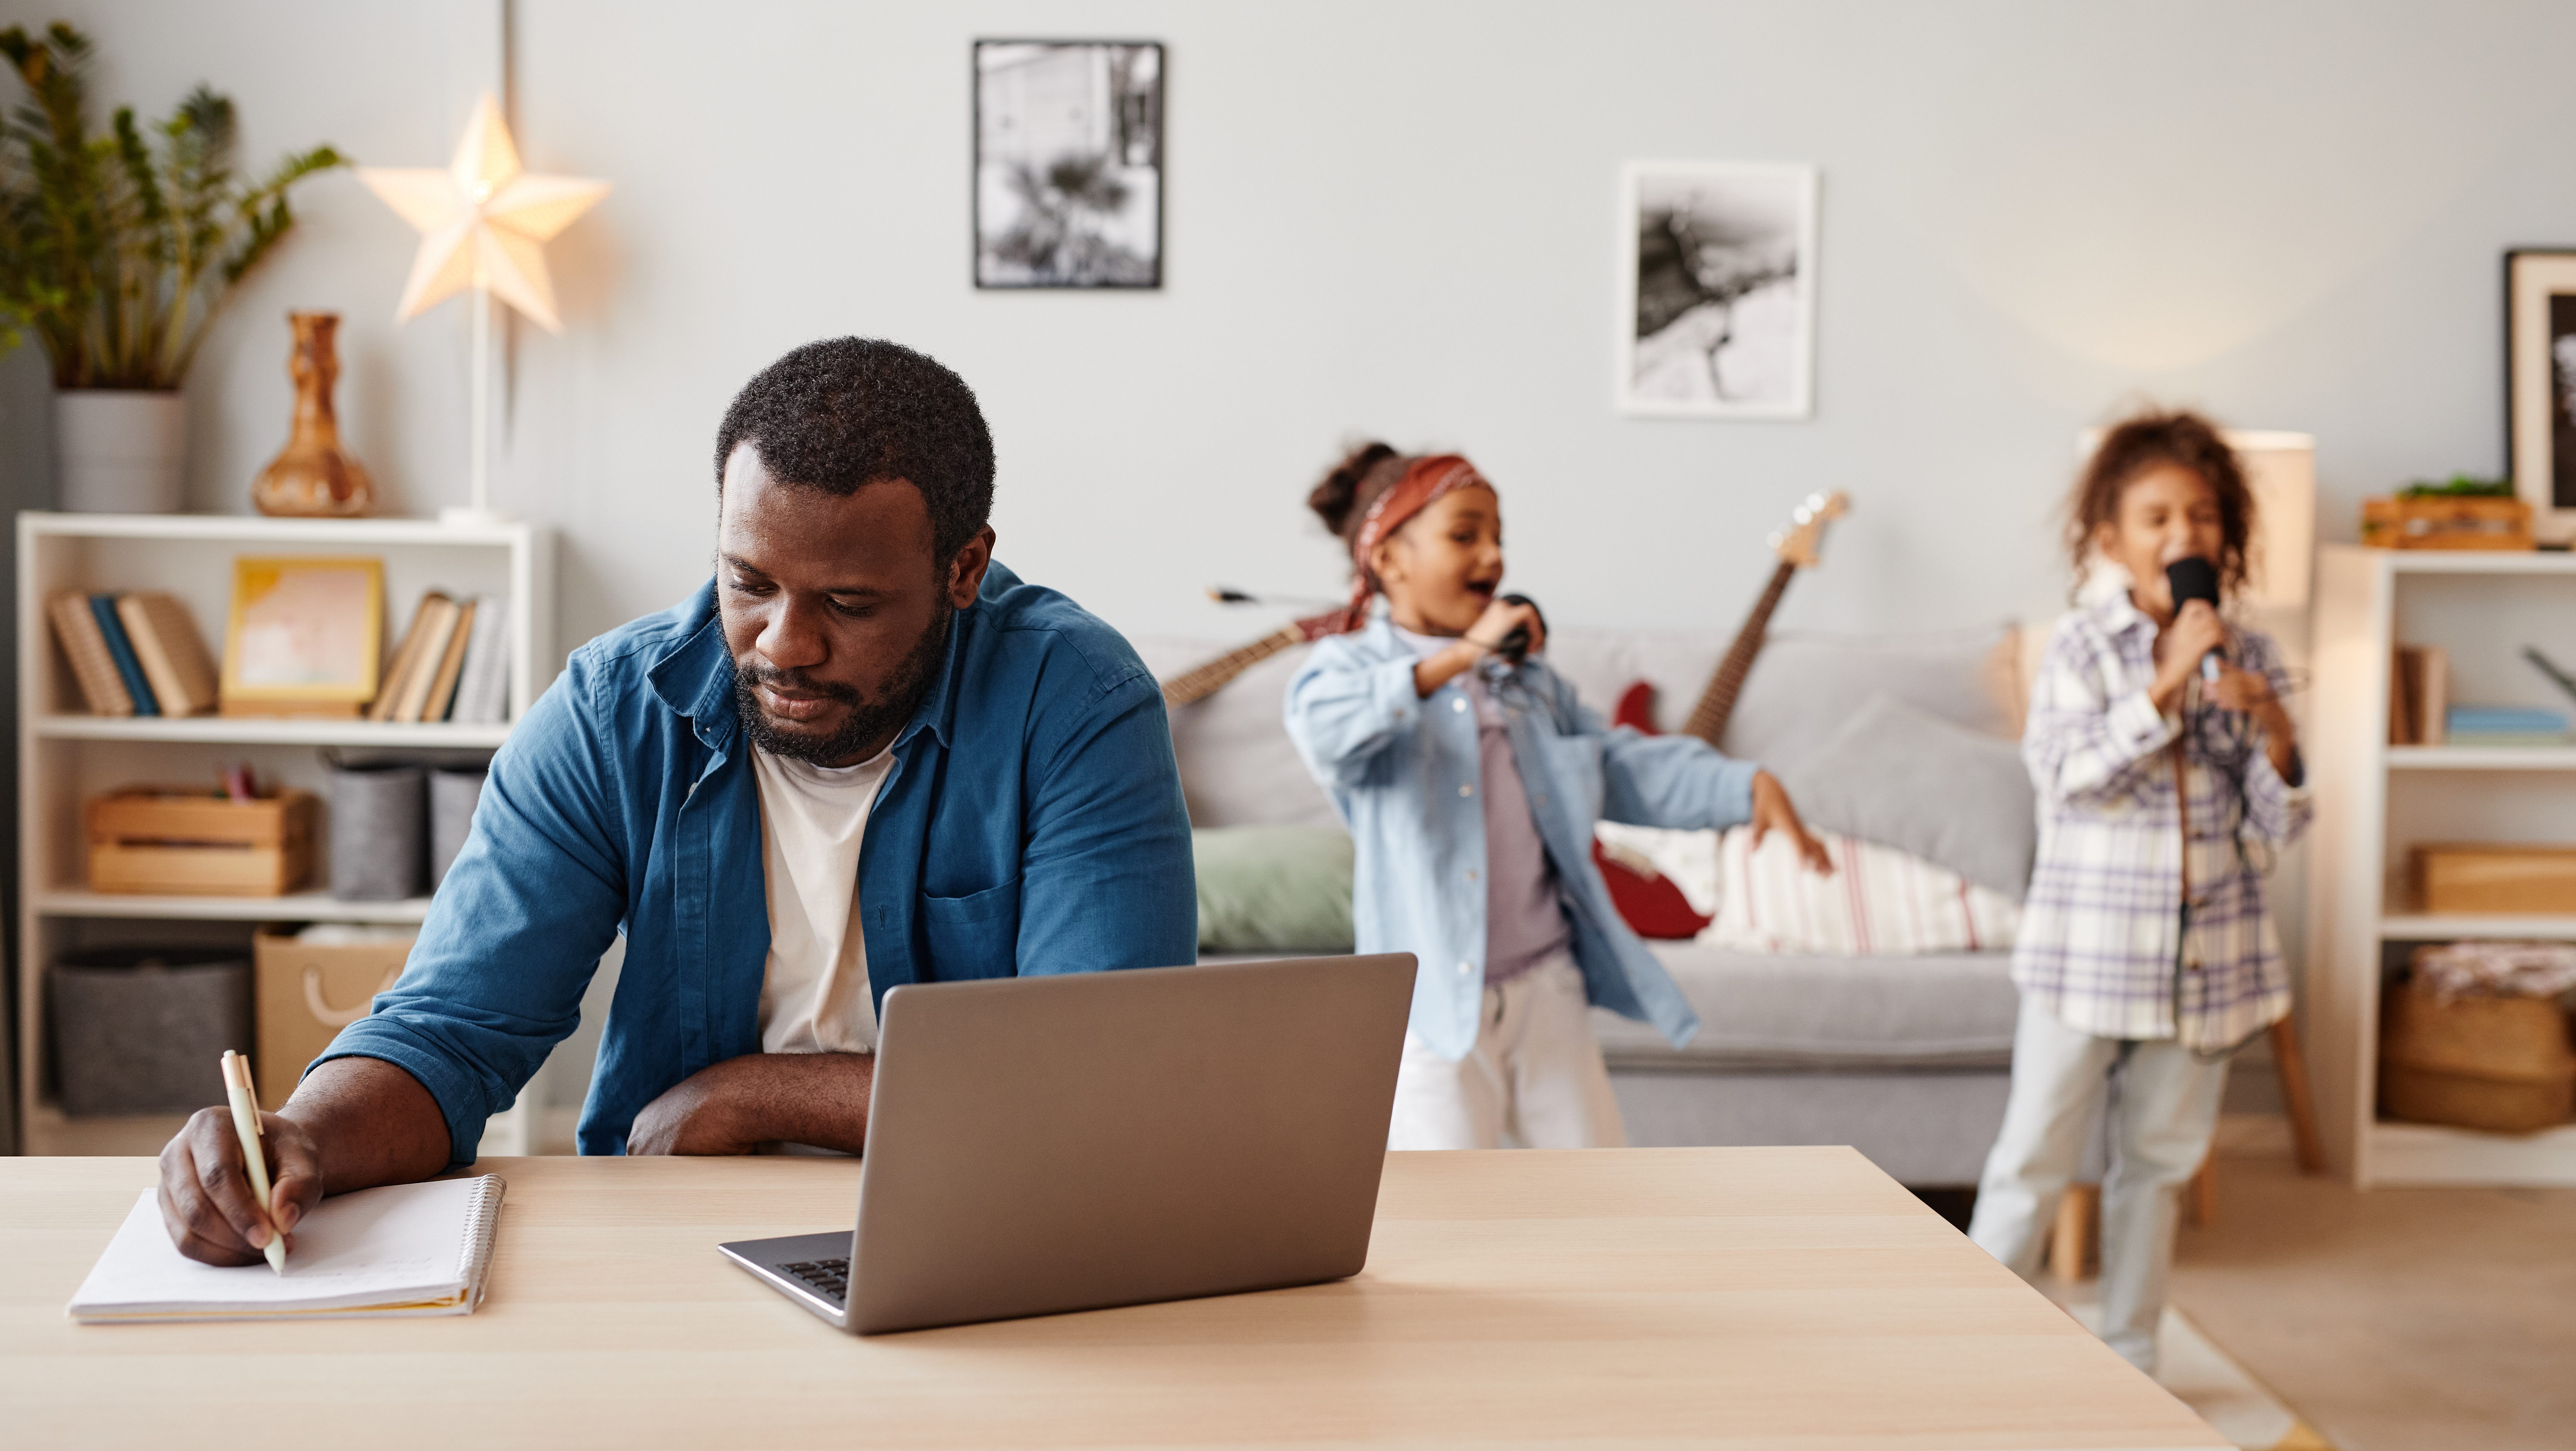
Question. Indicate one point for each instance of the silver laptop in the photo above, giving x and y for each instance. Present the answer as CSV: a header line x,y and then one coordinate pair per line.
x,y
1041,1144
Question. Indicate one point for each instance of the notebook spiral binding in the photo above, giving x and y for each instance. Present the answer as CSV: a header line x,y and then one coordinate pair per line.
x,y
480,1222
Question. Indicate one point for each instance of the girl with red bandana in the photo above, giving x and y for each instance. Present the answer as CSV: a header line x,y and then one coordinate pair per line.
x,y
1471,778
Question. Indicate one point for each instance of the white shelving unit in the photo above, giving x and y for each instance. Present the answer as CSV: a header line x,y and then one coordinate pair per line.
x,y
2376,801
65,755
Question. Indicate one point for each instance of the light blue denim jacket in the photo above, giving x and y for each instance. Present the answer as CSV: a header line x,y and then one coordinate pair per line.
x,y
1404,773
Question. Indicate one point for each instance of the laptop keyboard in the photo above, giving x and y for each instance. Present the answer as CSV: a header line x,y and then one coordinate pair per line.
x,y
827,1278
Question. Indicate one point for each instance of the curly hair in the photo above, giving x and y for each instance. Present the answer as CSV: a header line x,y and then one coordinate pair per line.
x,y
847,412
2142,442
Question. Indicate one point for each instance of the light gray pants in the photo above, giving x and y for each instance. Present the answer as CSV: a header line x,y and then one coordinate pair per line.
x,y
1534,1080
2160,1103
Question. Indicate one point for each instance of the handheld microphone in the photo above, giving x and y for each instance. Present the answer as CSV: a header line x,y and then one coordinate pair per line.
x,y
2194,578
1516,645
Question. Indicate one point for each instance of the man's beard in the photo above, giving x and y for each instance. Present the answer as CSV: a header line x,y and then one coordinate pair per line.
x,y
867,720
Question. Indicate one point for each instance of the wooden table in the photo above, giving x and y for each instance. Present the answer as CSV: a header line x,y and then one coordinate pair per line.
x,y
1710,1297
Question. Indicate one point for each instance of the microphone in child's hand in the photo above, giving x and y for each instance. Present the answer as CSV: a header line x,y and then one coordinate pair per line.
x,y
1516,645
2194,578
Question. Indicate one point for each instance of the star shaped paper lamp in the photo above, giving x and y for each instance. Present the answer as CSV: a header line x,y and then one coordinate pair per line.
x,y
483,221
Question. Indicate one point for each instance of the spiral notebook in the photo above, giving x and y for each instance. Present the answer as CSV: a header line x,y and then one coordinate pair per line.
x,y
405,1249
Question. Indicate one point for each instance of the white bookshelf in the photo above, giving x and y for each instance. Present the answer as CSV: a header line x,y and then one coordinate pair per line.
x,y
2375,801
66,756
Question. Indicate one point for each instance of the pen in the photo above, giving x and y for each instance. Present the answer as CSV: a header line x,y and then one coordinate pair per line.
x,y
246,1123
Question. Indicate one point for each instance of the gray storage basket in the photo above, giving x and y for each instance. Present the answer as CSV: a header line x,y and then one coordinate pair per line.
x,y
379,832
453,792
141,1029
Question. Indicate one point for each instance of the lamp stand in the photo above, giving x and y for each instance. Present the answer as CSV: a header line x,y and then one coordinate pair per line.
x,y
479,466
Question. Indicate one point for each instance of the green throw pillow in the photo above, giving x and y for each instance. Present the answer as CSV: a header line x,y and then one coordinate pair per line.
x,y
1273,888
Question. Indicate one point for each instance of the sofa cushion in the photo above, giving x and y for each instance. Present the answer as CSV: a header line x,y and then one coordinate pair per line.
x,y
1903,777
1803,688
1878,901
1759,1010
1273,888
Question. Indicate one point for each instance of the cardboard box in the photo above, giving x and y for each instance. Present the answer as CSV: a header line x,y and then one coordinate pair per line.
x,y
2469,877
308,992
193,842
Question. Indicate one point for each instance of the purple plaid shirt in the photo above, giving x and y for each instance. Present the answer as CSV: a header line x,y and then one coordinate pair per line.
x,y
2103,940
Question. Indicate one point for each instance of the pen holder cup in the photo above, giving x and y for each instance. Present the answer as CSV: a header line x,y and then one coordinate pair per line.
x,y
379,832
140,1030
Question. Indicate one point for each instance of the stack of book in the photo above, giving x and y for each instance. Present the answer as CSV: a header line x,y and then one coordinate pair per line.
x,y
136,653
2506,725
453,663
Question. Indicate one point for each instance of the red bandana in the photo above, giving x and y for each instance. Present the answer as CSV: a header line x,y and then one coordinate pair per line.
x,y
1425,482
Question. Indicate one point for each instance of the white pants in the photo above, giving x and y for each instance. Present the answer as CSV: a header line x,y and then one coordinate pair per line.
x,y
2160,1103
1535,1075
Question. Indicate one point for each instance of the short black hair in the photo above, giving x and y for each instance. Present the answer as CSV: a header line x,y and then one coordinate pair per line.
x,y
847,412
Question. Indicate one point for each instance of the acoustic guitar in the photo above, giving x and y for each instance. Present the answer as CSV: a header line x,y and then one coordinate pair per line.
x,y
1796,549
1650,903
1202,681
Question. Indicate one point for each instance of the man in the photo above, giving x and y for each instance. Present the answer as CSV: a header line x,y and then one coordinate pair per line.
x,y
863,755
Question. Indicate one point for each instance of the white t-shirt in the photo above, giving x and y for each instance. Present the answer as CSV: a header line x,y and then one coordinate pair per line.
x,y
814,994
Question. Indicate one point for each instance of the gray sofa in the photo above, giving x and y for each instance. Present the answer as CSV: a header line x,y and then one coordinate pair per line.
x,y
1905,1058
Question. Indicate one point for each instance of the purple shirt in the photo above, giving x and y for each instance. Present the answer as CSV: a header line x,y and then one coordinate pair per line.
x,y
1524,913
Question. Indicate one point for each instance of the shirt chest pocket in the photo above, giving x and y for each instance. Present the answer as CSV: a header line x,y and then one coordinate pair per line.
x,y
1572,766
973,936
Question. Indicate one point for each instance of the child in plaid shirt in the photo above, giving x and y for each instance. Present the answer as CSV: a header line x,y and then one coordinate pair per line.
x,y
2145,955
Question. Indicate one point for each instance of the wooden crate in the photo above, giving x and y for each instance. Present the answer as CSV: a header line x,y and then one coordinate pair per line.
x,y
2446,522
184,841
2518,880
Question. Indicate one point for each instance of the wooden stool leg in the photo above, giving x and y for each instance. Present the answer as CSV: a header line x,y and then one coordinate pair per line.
x,y
2071,1252
2200,1197
2292,1066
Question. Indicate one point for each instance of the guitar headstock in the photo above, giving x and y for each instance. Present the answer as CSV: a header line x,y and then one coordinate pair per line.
x,y
1797,544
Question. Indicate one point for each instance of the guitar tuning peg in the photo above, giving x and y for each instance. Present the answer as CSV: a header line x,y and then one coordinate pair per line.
x,y
1775,539
1802,514
1815,503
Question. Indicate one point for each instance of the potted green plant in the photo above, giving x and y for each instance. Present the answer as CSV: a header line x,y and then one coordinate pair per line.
x,y
116,252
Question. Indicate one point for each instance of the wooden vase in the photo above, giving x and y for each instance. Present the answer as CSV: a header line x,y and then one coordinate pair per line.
x,y
313,476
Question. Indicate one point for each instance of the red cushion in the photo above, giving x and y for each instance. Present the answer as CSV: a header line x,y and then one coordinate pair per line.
x,y
1653,906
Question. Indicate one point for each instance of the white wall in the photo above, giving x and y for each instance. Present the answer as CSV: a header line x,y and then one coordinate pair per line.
x,y
1398,218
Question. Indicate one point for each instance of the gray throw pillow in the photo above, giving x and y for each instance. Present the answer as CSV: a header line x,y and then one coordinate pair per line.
x,y
1273,888
1903,777
1805,686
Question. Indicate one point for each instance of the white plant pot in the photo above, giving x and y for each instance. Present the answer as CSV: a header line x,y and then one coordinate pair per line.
x,y
120,452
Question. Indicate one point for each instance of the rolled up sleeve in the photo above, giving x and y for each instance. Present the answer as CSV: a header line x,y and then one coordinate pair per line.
x,y
1342,712
1106,877
516,930
2086,741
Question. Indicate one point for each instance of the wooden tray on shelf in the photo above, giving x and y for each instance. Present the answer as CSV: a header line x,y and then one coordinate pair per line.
x,y
185,841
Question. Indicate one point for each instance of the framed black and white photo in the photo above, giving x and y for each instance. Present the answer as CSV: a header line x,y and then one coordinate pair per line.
x,y
1718,309
2540,385
1068,163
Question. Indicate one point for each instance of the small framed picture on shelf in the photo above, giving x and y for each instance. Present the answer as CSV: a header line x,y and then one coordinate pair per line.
x,y
304,637
2540,392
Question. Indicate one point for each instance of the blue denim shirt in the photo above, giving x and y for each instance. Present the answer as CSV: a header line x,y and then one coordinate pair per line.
x,y
1031,823
1404,773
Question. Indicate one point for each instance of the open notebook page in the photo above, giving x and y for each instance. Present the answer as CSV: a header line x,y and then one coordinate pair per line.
x,y
412,1249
